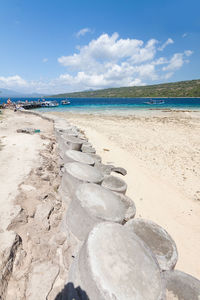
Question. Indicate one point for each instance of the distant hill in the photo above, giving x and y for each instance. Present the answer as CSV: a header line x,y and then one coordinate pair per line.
x,y
190,88
10,93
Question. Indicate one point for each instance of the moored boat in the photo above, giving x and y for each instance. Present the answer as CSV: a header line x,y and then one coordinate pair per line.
x,y
65,102
151,102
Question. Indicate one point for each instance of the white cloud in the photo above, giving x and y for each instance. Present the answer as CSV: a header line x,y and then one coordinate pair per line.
x,y
188,52
12,81
177,61
168,42
45,60
83,31
108,61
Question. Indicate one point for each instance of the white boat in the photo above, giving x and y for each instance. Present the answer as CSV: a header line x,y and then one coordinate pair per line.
x,y
50,103
65,102
151,102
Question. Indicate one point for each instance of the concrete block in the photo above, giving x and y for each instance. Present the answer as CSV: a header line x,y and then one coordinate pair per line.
x,y
157,239
115,184
77,156
181,286
88,149
76,173
130,205
114,265
69,142
96,157
93,204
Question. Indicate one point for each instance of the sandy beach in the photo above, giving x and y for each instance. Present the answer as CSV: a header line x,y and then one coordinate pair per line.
x,y
160,152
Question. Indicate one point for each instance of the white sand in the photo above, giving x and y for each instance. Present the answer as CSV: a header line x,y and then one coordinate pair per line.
x,y
19,154
161,155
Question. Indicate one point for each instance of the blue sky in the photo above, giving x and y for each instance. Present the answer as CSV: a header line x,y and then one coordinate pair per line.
x,y
63,46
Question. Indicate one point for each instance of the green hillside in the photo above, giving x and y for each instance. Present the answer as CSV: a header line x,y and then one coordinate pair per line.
x,y
190,88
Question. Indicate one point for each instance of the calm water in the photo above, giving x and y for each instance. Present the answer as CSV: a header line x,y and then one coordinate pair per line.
x,y
112,105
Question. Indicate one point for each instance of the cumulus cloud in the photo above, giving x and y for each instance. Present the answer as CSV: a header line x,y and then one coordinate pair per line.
x,y
112,61
177,61
168,42
83,31
109,61
12,81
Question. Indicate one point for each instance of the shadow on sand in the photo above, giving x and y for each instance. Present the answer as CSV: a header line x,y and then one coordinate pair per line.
x,y
71,293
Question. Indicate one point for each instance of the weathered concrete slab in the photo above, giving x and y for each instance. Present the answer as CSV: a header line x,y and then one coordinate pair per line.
x,y
41,279
181,286
115,184
76,173
105,169
94,204
130,207
70,142
157,239
113,265
87,149
77,156
42,214
96,157
119,170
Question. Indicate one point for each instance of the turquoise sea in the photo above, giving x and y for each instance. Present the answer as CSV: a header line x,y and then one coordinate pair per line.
x,y
113,105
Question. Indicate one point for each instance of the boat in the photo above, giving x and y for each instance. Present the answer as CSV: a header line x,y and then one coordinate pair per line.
x,y
153,102
49,103
65,102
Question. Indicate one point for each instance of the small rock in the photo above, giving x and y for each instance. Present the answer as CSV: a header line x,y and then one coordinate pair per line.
x,y
60,238
45,177
20,218
27,188
42,214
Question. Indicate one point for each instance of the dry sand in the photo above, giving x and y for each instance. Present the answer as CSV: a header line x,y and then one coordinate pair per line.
x,y
31,207
19,154
161,152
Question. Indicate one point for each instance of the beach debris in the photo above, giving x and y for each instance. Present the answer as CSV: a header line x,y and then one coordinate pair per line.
x,y
28,130
105,149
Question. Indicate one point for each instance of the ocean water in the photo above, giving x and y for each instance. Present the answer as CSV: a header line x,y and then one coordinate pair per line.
x,y
115,105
